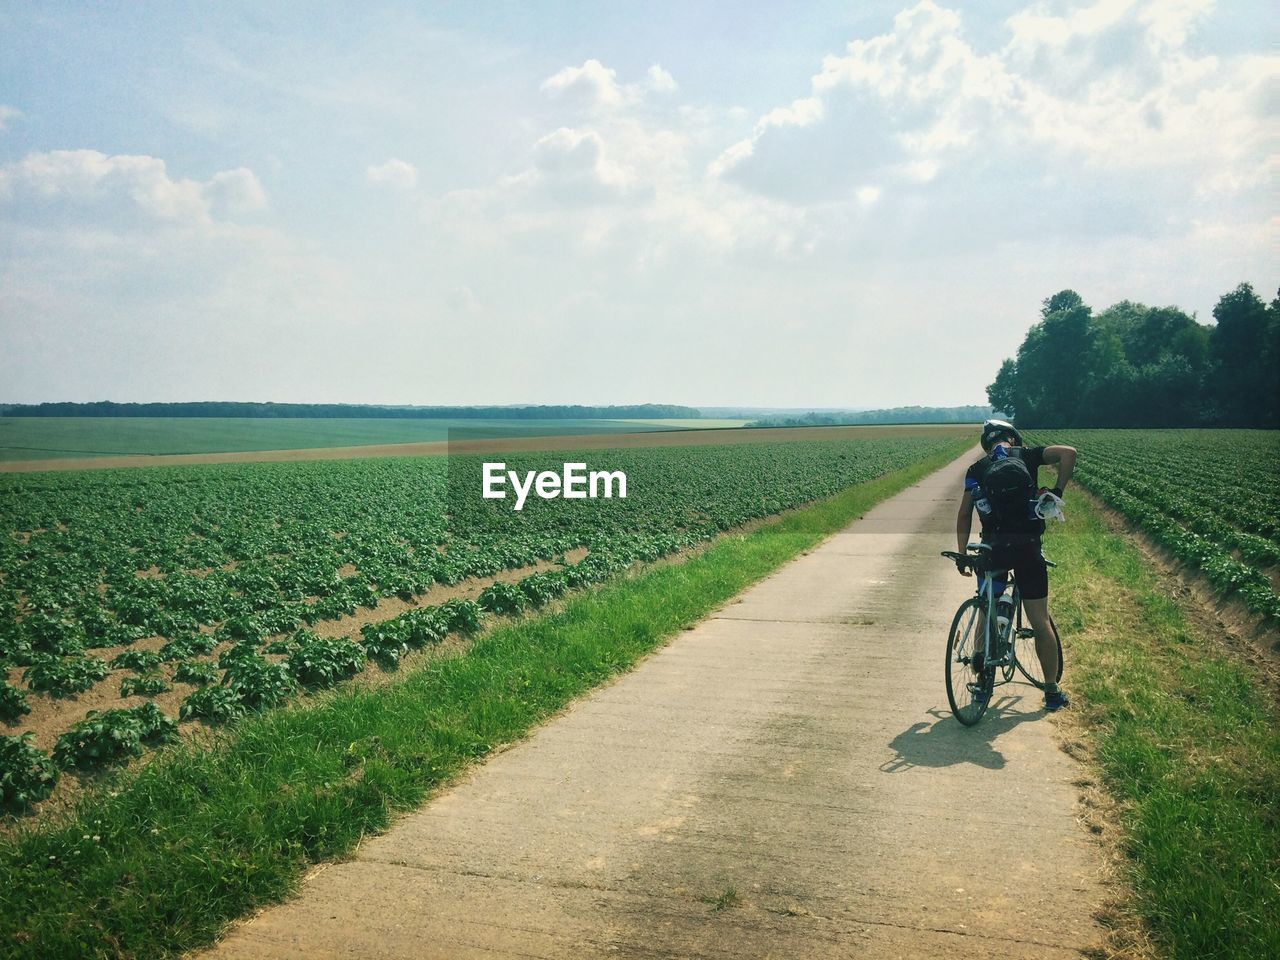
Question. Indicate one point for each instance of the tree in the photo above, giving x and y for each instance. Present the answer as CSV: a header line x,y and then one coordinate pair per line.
x,y
1137,366
1270,360
1108,381
1002,392
1165,331
1243,350
1165,393
1062,300
1053,362
1147,368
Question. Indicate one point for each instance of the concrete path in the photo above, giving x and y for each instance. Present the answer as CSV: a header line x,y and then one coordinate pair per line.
x,y
784,780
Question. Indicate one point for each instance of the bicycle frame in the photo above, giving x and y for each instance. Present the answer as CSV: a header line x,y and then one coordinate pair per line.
x,y
999,651
991,654
992,658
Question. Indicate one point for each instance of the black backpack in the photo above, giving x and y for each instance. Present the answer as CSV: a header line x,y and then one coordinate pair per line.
x,y
1009,489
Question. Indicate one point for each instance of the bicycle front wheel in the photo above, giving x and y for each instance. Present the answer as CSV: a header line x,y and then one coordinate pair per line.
x,y
969,680
1028,660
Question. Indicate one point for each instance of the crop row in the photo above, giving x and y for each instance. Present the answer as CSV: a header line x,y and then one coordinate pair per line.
x,y
1204,515
212,576
1210,497
1199,497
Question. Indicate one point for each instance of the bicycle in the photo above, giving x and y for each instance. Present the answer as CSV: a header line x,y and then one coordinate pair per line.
x,y
1004,646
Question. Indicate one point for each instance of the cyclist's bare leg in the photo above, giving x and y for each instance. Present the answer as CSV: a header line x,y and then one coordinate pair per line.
x,y
1046,640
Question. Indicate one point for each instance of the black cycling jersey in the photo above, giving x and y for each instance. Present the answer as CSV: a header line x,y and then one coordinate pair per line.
x,y
1012,531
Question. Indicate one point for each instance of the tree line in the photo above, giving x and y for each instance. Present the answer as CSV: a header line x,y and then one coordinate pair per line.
x,y
1137,366
813,418
106,408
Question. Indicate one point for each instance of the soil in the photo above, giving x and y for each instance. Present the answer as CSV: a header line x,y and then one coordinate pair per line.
x,y
50,717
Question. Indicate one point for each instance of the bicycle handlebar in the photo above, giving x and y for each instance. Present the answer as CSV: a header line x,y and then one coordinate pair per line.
x,y
976,560
963,560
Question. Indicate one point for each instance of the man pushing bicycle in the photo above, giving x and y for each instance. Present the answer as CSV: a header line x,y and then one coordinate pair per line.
x,y
1003,488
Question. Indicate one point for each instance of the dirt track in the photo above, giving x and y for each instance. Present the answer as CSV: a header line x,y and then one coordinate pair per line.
x,y
590,441
783,780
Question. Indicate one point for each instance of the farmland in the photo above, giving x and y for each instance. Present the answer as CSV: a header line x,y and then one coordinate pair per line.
x,y
472,439
1209,497
41,438
209,589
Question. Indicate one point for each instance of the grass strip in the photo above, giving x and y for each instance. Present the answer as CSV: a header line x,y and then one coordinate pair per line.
x,y
1187,737
158,860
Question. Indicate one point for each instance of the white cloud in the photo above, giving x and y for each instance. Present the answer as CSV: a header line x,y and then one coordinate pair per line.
x,y
660,80
801,113
622,187
236,192
920,139
565,150
592,81
620,179
892,104
395,173
573,163
731,157
154,284
625,191
1037,26
919,171
115,189
615,154
1171,22
942,165
1162,24
1113,85
595,86
8,113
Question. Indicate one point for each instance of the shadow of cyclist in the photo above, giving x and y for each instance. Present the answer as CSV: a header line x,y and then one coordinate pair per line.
x,y
947,742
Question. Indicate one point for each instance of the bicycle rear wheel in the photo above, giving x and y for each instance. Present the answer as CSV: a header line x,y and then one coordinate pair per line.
x,y
1024,651
969,680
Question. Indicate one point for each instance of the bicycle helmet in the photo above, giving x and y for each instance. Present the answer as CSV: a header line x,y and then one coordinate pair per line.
x,y
993,431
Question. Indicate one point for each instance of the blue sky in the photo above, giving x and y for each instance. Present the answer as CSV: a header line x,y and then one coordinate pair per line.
x,y
804,204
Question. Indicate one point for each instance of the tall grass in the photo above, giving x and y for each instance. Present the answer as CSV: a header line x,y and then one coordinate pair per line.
x,y
1187,736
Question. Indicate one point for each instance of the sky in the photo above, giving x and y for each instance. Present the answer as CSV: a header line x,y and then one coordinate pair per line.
x,y
804,204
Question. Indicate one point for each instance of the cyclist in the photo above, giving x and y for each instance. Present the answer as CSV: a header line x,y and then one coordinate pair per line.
x,y
1014,535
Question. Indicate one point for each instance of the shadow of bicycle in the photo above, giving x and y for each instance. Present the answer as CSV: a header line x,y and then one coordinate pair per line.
x,y
946,741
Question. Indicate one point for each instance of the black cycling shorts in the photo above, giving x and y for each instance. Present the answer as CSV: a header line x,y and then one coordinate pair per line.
x,y
1027,563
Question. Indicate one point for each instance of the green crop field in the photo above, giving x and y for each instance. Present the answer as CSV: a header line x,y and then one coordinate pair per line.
x,y
1182,727
707,424
46,438
1210,497
197,588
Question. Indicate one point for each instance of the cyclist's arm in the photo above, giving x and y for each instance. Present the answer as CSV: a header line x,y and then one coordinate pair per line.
x,y
964,521
1065,458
